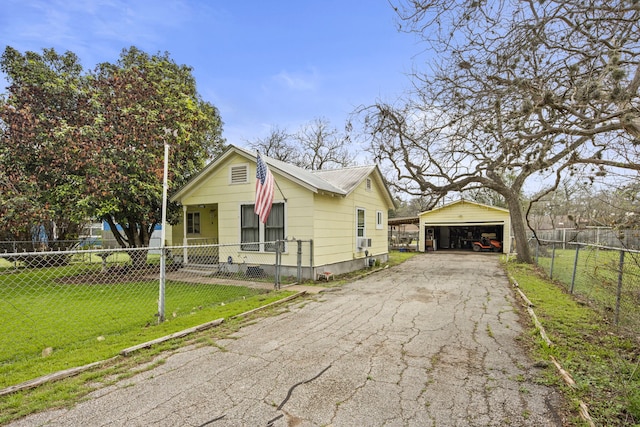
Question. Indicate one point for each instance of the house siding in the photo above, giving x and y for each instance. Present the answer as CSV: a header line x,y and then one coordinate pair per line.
x,y
335,226
310,214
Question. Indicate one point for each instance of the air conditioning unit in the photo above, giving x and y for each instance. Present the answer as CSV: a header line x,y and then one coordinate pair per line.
x,y
364,243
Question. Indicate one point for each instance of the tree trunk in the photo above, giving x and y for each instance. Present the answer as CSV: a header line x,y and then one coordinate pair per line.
x,y
137,236
519,229
138,258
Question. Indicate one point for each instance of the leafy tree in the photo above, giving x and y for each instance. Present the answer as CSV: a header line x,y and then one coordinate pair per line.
x,y
44,101
17,211
133,102
98,147
516,91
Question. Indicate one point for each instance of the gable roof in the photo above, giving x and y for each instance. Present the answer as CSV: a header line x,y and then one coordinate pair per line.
x,y
463,201
338,182
346,179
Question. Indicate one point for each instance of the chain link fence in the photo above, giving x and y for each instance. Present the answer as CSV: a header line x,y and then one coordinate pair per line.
x,y
607,278
602,236
80,300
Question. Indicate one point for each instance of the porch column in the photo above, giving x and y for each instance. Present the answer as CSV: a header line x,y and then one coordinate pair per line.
x,y
185,256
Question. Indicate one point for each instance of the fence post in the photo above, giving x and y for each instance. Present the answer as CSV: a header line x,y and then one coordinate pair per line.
x,y
575,268
553,258
163,278
619,291
163,233
276,278
299,261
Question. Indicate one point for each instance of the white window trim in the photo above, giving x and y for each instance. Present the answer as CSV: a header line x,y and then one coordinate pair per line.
x,y
261,227
380,217
364,228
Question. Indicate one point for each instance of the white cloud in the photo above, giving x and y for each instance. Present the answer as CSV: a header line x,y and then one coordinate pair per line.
x,y
301,81
96,30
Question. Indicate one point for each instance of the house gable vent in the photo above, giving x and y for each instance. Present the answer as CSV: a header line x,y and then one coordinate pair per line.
x,y
239,174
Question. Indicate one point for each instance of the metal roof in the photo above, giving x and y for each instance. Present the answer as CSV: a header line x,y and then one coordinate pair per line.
x,y
404,220
312,181
346,179
339,182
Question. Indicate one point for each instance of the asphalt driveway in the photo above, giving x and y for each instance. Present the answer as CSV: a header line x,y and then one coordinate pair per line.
x,y
432,342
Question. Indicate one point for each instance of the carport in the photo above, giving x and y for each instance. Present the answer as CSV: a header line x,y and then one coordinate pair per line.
x,y
456,225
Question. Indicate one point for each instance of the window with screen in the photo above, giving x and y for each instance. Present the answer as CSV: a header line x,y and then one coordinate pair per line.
x,y
253,233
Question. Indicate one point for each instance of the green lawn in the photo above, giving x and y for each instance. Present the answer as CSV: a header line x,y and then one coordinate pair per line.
x,y
397,257
79,323
104,319
602,360
596,280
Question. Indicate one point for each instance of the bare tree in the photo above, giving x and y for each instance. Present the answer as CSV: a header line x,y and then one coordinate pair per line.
x,y
517,91
412,207
567,206
315,146
323,146
279,144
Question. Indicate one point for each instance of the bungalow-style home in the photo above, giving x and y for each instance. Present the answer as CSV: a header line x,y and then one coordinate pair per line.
x,y
460,224
343,212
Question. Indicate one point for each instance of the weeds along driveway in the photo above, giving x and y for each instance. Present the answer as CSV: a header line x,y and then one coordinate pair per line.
x,y
431,342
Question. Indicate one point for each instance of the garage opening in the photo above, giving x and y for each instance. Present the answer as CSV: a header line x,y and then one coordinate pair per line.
x,y
463,236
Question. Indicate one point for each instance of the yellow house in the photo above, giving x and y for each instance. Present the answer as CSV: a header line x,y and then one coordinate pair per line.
x,y
343,212
459,224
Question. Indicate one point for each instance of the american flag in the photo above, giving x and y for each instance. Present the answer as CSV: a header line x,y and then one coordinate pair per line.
x,y
264,190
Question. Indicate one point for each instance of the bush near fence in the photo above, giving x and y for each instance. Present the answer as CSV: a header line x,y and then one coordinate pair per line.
x,y
607,278
57,315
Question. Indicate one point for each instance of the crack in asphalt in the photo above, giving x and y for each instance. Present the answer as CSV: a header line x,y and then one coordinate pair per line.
x,y
430,342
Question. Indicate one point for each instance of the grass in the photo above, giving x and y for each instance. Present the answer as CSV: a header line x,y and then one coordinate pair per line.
x,y
597,278
130,332
604,362
66,392
396,257
49,324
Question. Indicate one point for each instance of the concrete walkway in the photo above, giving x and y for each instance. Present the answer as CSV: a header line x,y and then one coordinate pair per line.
x,y
431,342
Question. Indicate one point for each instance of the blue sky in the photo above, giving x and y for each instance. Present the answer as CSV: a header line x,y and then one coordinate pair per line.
x,y
262,63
